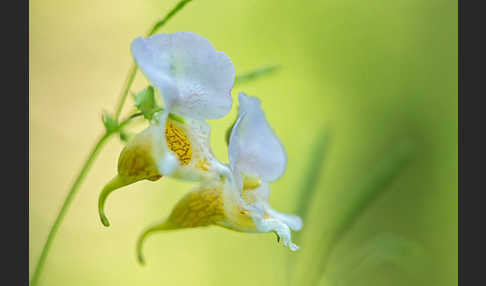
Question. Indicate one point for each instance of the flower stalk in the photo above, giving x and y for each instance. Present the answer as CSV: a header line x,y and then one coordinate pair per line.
x,y
95,151
67,202
72,192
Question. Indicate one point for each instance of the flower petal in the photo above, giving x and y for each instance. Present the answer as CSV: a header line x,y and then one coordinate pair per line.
x,y
186,148
203,206
254,148
195,79
273,224
293,221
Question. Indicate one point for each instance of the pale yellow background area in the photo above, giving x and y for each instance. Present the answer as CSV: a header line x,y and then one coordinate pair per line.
x,y
372,71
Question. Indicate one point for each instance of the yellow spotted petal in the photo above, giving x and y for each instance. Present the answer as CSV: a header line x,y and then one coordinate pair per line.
x,y
201,207
137,161
178,142
212,203
216,202
187,153
168,147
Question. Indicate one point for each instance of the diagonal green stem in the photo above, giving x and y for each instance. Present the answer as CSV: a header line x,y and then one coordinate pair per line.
x,y
87,165
133,70
126,88
67,202
167,17
72,192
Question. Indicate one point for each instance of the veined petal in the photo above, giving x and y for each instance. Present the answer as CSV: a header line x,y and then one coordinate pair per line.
x,y
215,202
254,148
195,79
203,206
186,148
137,161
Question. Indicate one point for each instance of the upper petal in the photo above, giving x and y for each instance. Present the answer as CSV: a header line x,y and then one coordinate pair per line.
x,y
195,79
254,148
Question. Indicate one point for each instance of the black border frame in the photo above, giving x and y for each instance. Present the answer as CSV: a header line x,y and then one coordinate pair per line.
x,y
471,142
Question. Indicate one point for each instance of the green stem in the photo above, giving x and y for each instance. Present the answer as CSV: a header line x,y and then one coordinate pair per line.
x,y
133,70
67,202
126,88
65,207
87,165
169,15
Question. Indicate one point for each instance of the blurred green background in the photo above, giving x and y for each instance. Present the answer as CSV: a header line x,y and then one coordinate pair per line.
x,y
375,74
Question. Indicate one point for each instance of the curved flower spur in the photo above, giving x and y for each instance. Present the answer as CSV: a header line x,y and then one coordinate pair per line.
x,y
195,81
238,201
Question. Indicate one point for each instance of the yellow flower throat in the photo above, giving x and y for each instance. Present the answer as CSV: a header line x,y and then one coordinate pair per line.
x,y
178,142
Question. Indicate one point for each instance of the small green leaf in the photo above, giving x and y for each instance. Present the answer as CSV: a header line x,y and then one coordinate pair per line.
x,y
264,71
145,102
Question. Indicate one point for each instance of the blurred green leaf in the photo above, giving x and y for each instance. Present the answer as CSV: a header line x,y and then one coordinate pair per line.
x,y
313,172
390,251
374,186
309,185
258,73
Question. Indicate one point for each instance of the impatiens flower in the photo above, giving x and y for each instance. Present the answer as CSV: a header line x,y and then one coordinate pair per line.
x,y
239,201
195,82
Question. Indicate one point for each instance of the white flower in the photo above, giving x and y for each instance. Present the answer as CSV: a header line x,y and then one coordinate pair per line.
x,y
239,201
194,78
257,157
195,82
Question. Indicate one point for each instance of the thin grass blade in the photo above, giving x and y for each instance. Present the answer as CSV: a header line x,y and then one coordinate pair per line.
x,y
373,187
313,174
404,256
309,186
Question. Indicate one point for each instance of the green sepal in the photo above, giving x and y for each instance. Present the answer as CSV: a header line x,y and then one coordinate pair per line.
x,y
110,123
228,132
145,102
